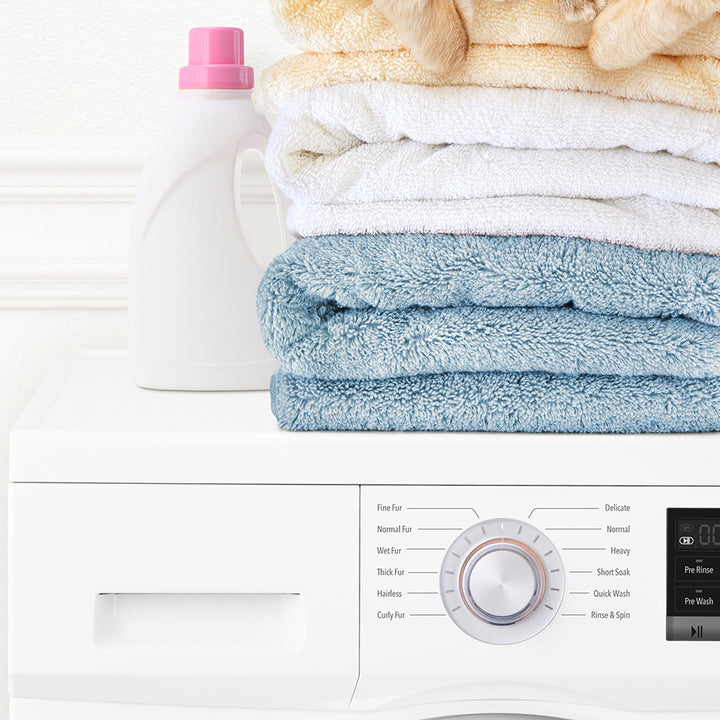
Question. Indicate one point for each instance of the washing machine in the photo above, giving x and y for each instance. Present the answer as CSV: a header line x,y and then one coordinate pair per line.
x,y
177,556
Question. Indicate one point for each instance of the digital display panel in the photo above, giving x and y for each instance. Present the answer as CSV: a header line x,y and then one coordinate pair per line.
x,y
693,575
697,534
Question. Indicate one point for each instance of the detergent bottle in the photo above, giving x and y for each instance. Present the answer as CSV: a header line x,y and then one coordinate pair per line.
x,y
194,270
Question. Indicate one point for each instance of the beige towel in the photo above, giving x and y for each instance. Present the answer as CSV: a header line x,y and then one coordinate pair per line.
x,y
693,82
355,25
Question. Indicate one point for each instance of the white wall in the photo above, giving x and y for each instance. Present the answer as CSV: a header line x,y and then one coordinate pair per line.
x,y
104,67
83,86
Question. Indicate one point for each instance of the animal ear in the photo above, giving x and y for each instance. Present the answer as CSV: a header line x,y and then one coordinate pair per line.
x,y
627,32
466,9
433,30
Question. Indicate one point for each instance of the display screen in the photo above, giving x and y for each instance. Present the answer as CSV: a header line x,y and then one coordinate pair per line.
x,y
697,534
693,575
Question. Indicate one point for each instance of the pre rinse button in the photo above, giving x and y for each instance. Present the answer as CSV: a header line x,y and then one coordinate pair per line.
x,y
698,569
692,629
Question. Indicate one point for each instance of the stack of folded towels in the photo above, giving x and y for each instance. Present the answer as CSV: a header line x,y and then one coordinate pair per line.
x,y
529,244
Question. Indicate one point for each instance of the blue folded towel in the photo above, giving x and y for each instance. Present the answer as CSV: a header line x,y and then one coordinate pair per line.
x,y
440,313
500,402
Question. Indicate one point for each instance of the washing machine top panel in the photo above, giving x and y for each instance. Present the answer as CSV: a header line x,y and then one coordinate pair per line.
x,y
88,423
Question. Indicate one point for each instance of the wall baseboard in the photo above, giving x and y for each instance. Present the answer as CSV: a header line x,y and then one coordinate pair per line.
x,y
65,208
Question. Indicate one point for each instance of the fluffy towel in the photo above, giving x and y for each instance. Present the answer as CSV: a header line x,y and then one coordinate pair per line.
x,y
404,151
476,333
356,25
691,81
320,127
376,126
383,142
374,307
500,402
638,222
406,170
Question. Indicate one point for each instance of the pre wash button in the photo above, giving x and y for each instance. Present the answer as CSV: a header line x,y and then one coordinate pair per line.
x,y
698,600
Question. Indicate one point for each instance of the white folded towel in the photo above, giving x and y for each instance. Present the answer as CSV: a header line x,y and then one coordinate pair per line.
x,y
322,124
499,161
407,170
639,222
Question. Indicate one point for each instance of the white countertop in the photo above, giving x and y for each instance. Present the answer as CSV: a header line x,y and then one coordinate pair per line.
x,y
88,422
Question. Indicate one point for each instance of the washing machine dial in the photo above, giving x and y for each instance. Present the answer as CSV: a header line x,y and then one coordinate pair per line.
x,y
502,581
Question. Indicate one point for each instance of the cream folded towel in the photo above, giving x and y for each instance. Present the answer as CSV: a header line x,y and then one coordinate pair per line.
x,y
352,25
380,142
690,81
636,222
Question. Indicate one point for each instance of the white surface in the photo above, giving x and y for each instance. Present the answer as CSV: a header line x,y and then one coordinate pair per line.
x,y
63,710
31,341
181,547
194,271
54,710
182,622
88,412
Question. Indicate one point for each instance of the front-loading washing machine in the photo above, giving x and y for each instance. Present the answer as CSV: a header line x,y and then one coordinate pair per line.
x,y
176,556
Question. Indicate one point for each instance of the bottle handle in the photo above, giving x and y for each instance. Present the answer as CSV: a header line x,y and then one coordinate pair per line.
x,y
263,246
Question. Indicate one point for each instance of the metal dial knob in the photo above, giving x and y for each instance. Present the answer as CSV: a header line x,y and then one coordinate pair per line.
x,y
502,581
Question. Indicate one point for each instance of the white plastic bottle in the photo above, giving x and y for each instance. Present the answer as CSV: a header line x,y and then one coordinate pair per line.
x,y
193,272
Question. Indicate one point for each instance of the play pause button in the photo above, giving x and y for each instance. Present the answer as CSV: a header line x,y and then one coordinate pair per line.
x,y
694,629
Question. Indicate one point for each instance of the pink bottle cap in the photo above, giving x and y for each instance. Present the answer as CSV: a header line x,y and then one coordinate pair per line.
x,y
216,60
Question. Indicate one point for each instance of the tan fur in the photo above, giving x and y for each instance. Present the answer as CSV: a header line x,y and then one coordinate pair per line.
x,y
625,33
434,30
581,10
629,31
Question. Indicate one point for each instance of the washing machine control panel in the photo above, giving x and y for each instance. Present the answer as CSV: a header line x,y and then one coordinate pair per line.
x,y
693,574
505,566
468,586
502,581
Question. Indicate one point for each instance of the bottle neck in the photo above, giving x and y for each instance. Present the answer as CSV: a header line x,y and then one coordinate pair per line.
x,y
216,93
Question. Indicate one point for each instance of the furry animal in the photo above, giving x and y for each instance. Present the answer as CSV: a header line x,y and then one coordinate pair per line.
x,y
629,31
581,10
434,30
625,32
